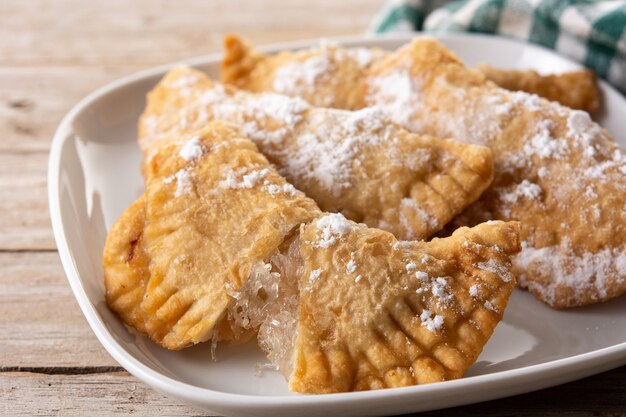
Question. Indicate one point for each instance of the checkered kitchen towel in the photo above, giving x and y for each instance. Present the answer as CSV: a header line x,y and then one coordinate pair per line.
x,y
590,32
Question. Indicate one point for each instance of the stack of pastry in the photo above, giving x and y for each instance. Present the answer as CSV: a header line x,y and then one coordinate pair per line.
x,y
294,204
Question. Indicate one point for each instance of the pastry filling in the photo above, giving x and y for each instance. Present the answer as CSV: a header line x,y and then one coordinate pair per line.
x,y
268,303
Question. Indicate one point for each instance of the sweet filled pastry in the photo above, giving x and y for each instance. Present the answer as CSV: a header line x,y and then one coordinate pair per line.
x,y
125,265
221,246
573,89
328,75
556,171
358,163
212,220
372,312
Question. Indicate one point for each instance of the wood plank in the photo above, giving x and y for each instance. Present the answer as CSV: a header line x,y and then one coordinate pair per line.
x,y
33,100
149,32
25,221
109,394
118,393
41,324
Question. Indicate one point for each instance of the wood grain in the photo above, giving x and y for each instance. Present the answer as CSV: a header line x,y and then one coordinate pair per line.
x,y
108,394
25,222
145,33
118,393
41,324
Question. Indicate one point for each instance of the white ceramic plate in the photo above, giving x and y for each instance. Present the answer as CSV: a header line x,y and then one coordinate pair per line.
x,y
94,175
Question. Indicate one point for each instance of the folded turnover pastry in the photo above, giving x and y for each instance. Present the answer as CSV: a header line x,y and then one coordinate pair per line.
x,y
373,312
574,89
220,246
359,163
214,212
556,171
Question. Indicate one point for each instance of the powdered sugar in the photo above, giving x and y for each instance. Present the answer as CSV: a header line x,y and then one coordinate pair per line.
x,y
184,183
474,291
247,177
410,205
311,72
331,228
314,275
191,150
525,189
433,324
422,276
586,275
544,145
328,153
300,77
397,94
496,267
351,266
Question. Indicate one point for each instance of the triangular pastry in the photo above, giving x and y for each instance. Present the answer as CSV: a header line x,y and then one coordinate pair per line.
x,y
326,76
556,171
125,265
374,312
215,212
574,89
358,163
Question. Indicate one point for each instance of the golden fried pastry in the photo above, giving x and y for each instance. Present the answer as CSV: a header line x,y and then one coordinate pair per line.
x,y
212,219
573,89
126,266
374,312
126,274
331,76
326,76
358,163
556,171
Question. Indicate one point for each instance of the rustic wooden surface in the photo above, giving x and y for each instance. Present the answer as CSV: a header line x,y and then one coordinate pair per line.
x,y
52,53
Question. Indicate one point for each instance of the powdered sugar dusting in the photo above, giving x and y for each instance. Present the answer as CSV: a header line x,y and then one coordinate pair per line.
x,y
331,228
398,95
191,150
300,77
314,276
410,205
184,183
432,323
496,267
525,189
329,153
586,275
544,145
474,291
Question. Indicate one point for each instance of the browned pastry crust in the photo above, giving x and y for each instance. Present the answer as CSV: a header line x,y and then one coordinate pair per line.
x,y
573,89
375,313
556,171
209,224
358,163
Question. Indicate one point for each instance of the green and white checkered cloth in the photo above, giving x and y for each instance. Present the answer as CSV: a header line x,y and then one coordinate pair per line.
x,y
590,32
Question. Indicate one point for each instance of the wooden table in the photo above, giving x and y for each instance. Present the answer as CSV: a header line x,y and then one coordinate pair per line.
x,y
52,53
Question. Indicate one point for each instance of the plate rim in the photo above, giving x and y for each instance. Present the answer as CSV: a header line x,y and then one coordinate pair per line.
x,y
577,366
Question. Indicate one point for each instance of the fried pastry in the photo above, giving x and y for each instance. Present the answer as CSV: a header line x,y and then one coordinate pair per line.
x,y
331,76
212,220
373,312
573,89
556,171
326,76
358,163
125,265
